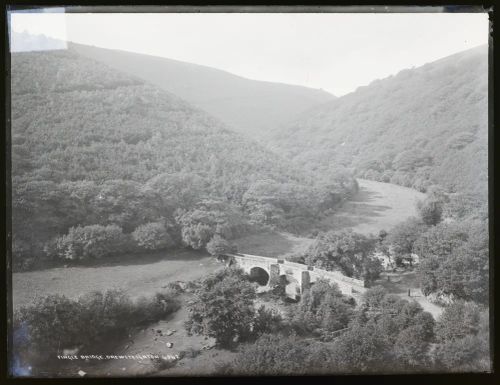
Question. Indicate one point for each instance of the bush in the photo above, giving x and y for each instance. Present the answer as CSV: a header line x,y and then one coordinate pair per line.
x,y
322,309
275,354
190,353
56,322
402,238
218,246
267,321
161,363
152,236
90,242
151,309
431,211
52,322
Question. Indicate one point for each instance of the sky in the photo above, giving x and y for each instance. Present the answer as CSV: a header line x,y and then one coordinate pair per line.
x,y
337,52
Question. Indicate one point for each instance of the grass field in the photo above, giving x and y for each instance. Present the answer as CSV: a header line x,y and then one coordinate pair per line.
x,y
141,276
272,244
375,207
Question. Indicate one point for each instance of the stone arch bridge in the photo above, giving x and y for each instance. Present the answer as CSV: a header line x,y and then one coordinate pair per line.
x,y
297,276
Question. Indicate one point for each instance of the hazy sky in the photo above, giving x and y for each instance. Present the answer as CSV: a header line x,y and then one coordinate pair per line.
x,y
337,52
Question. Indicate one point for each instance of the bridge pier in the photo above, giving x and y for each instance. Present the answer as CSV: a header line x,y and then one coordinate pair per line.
x,y
274,274
305,281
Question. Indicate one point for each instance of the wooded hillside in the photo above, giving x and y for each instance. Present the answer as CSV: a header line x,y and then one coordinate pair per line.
x,y
99,155
421,127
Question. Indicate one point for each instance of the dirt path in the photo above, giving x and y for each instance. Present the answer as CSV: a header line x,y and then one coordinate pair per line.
x,y
399,283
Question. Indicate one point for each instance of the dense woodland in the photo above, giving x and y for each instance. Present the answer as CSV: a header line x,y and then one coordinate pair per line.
x,y
97,155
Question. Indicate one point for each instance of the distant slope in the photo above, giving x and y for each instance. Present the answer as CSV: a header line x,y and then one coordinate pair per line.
x,y
249,106
423,126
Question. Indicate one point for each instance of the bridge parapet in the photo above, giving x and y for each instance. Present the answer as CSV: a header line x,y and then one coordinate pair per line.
x,y
339,276
301,272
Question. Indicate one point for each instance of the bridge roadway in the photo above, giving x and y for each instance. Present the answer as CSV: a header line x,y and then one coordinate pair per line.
x,y
271,270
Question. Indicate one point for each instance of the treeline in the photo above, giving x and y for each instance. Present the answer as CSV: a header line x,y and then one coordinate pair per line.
x,y
390,335
421,127
102,162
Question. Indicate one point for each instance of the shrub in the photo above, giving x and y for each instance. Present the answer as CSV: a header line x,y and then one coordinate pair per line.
x,y
274,354
56,322
52,322
267,321
218,246
457,321
322,308
431,211
161,363
90,242
190,353
151,309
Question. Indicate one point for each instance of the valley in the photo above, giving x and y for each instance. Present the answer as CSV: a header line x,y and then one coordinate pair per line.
x,y
151,171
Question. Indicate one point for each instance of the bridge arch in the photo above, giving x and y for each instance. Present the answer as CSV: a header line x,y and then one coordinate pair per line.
x,y
259,275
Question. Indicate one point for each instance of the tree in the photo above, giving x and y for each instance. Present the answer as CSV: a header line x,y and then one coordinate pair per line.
x,y
441,240
372,267
51,322
208,218
223,307
362,349
346,250
455,260
267,321
219,246
392,314
412,348
322,309
277,354
463,339
403,237
152,236
467,354
458,320
431,211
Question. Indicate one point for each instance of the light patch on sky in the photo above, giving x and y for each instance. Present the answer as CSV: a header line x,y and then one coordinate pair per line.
x,y
336,52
